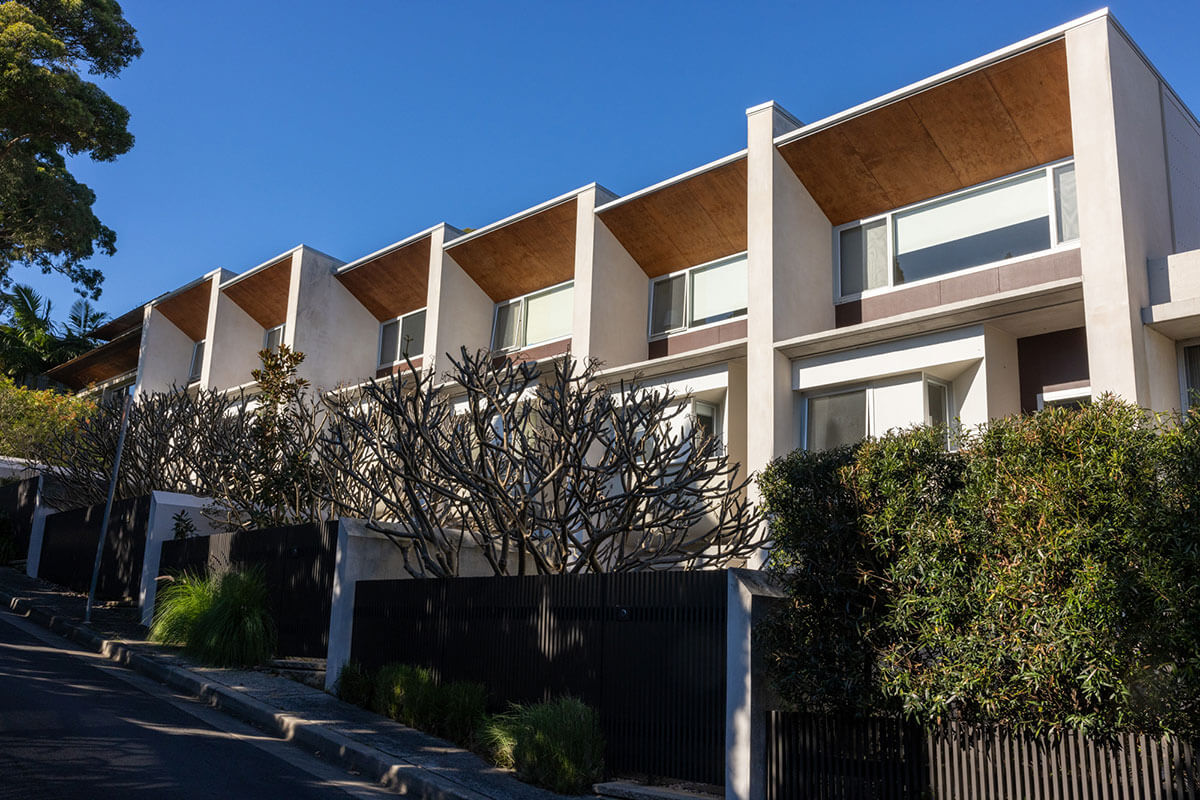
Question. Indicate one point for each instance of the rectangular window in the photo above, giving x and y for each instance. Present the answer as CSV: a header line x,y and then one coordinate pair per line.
x,y
402,337
273,337
538,317
1009,218
1191,375
707,417
699,296
1066,203
937,406
834,420
197,361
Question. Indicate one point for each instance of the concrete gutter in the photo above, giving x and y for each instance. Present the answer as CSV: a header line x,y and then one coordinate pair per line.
x,y
407,777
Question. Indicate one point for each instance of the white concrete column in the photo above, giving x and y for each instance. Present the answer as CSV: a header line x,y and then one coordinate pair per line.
x,y
790,266
1124,202
611,291
458,313
233,340
160,526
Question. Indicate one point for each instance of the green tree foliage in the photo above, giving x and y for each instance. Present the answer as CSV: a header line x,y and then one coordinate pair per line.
x,y
49,111
31,342
1045,576
32,422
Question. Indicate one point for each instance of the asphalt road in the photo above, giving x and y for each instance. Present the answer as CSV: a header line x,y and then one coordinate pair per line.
x,y
74,725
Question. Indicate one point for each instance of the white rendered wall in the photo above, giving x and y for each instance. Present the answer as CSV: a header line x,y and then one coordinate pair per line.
x,y
1124,209
1183,164
166,355
336,333
611,293
233,342
459,312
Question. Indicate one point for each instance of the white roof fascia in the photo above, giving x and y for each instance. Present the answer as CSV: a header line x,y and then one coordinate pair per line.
x,y
942,77
720,162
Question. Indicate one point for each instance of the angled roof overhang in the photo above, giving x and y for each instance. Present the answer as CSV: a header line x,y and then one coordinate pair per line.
x,y
123,324
187,307
262,292
998,117
691,219
523,253
392,281
115,357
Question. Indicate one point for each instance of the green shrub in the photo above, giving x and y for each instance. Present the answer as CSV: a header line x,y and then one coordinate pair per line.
x,y
413,696
236,630
557,745
222,620
1046,575
179,604
354,685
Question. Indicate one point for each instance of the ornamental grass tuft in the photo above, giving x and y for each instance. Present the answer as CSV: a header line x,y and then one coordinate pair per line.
x,y
557,745
222,620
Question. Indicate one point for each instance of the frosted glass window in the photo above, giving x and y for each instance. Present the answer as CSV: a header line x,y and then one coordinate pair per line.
x,y
668,304
864,257
1067,203
548,315
412,335
939,404
389,340
273,338
837,419
1191,366
508,319
719,291
1002,221
197,361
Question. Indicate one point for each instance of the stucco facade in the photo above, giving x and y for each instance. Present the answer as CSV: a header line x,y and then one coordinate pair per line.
x,y
1108,300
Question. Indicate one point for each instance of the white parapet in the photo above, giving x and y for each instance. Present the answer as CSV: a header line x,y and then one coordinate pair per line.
x,y
160,527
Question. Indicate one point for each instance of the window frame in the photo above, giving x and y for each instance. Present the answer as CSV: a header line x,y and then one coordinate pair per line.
x,y
1181,347
948,386
523,318
281,327
717,415
1057,396
686,272
888,217
868,390
196,371
380,363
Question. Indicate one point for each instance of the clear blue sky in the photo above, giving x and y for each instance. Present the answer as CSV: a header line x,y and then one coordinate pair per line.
x,y
348,126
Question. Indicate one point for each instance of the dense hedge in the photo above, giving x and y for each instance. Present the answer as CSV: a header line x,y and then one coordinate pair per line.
x,y
31,421
1045,575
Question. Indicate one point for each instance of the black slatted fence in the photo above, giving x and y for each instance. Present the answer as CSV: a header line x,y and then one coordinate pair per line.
x,y
17,503
69,548
647,650
297,563
824,758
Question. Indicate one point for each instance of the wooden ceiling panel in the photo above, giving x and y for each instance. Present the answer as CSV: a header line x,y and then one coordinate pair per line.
x,y
530,254
395,283
1034,90
687,223
971,127
109,360
993,122
264,295
188,310
122,324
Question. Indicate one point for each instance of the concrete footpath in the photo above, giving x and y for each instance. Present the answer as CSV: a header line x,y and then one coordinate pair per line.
x,y
402,759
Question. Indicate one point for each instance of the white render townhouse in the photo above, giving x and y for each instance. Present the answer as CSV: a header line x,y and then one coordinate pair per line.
x,y
1019,231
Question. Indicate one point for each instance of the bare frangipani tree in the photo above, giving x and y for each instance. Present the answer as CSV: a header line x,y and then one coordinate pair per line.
x,y
537,471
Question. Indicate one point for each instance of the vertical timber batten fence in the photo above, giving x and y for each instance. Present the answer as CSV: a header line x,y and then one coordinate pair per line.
x,y
824,758
647,650
297,564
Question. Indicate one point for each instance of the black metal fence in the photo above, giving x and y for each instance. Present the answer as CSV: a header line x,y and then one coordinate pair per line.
x,y
297,563
69,548
647,650
17,503
824,758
